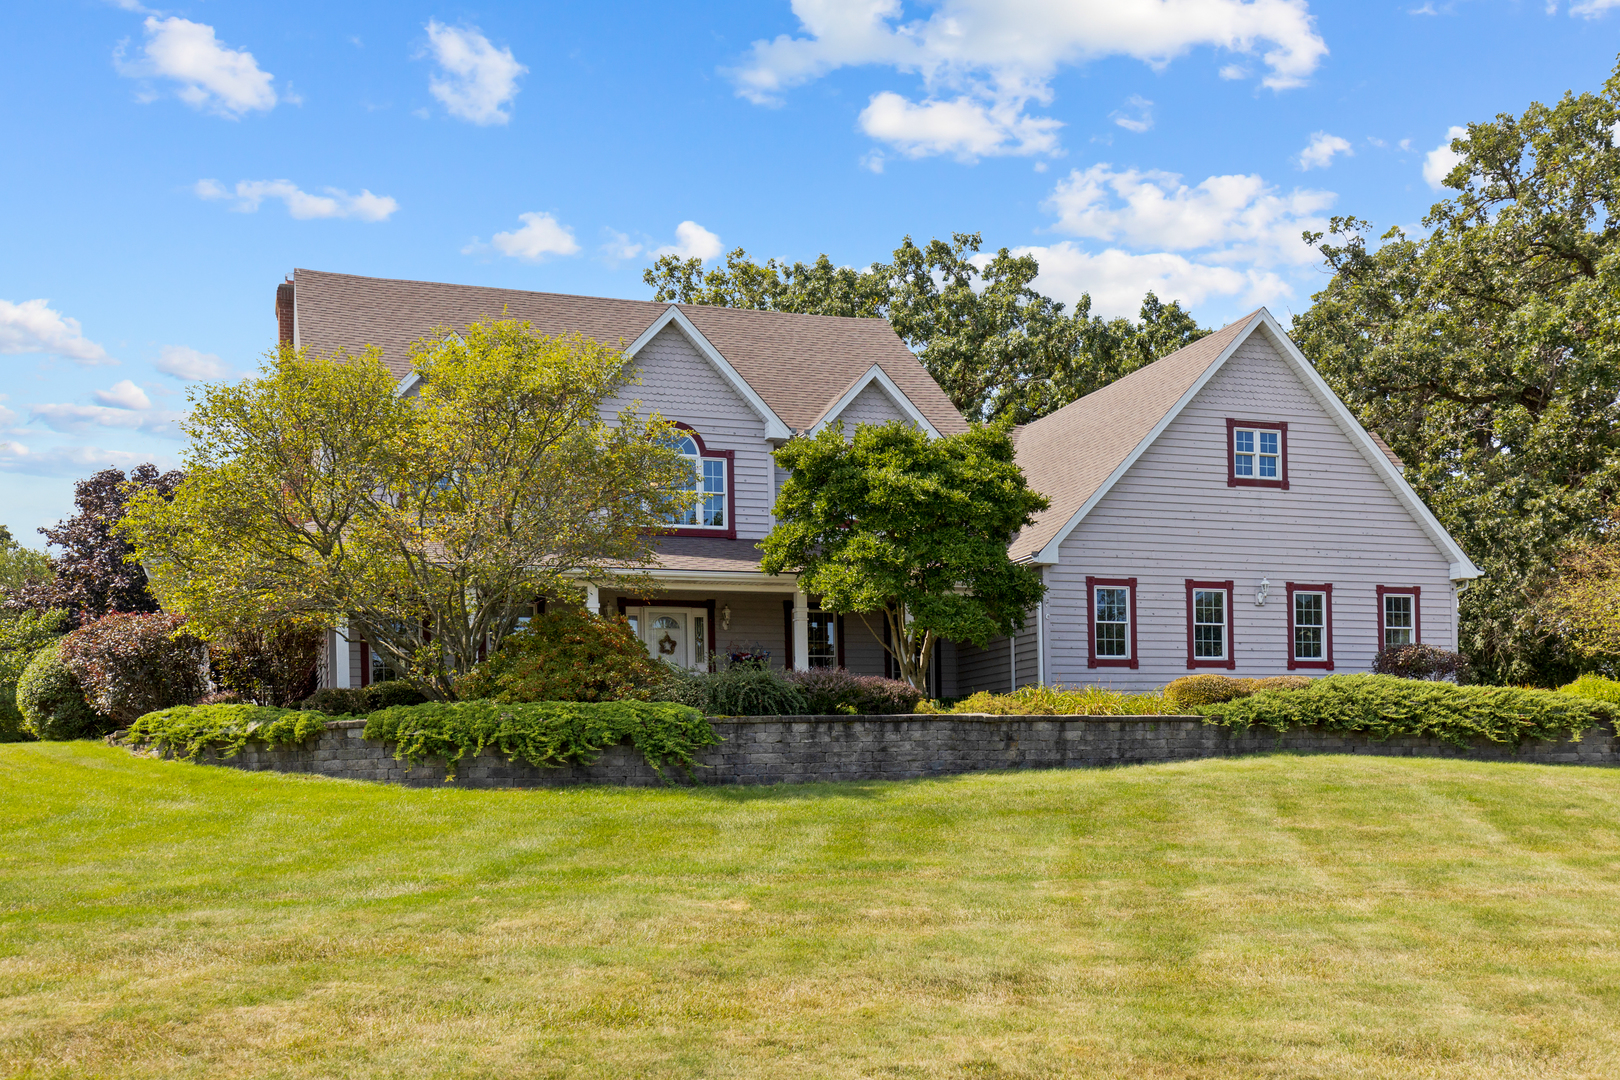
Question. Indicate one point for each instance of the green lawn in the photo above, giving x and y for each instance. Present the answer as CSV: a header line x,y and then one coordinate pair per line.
x,y
1265,917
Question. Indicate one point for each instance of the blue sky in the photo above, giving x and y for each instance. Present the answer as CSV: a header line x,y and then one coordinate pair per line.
x,y
168,166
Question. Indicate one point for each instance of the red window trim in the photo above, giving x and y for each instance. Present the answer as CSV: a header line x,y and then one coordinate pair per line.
x,y
1232,478
365,661
1325,664
730,456
1230,663
1416,594
1092,660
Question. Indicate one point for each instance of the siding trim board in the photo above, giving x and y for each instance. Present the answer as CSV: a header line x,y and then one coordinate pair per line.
x,y
1232,478
730,456
1092,659
1230,660
1326,663
1416,593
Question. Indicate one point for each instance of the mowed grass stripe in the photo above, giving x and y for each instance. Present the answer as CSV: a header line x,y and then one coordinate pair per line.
x,y
1260,917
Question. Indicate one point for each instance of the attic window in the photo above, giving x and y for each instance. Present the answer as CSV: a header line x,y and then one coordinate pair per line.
x,y
1256,454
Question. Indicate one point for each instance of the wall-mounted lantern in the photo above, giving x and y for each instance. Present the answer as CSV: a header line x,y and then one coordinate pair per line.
x,y
1261,591
725,616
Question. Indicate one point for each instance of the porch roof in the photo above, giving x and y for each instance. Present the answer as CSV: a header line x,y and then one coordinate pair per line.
x,y
708,554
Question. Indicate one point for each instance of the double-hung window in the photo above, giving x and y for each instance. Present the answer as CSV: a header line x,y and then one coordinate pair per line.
x,y
709,512
1310,626
1256,454
1399,617
1209,624
1111,616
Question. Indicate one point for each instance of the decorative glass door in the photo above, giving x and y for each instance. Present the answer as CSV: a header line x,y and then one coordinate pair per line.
x,y
668,636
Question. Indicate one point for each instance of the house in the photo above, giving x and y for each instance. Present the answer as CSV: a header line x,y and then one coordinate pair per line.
x,y
1218,509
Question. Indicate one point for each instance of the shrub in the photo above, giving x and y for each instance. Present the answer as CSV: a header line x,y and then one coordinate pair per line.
x,y
274,665
1191,691
130,665
1060,700
391,692
1421,662
1279,682
52,702
736,691
1385,705
835,690
22,634
550,733
337,701
565,655
186,730
1595,687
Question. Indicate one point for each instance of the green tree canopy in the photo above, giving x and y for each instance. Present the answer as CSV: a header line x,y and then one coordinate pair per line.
x,y
20,567
317,492
1488,355
1000,349
912,527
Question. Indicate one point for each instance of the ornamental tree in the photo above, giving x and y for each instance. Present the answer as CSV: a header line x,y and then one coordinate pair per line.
x,y
316,492
912,529
1487,353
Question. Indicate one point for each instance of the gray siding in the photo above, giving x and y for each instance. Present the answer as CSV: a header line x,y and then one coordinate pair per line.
x,y
871,406
677,382
983,669
1172,517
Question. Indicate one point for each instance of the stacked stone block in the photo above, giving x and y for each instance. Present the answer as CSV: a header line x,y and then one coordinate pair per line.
x,y
812,749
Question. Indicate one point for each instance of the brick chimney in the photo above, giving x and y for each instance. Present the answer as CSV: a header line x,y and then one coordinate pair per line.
x,y
284,311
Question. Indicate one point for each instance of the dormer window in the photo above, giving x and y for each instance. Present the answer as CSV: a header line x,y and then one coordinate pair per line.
x,y
710,512
1256,454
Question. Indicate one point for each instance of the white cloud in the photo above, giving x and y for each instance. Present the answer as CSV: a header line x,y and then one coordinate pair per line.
x,y
963,127
620,247
15,457
34,327
1140,119
1318,154
211,76
1437,163
187,363
300,204
1233,218
1117,280
541,235
475,79
1234,71
1591,9
998,57
78,419
123,394
692,241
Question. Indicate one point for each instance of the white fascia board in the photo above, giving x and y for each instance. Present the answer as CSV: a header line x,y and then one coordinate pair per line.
x,y
729,580
1050,554
876,374
774,427
407,386
1462,568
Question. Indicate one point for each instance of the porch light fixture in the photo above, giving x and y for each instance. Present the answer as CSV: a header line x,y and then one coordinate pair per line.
x,y
725,616
1261,591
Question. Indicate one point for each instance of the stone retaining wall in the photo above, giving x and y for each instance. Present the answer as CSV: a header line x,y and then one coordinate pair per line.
x,y
808,749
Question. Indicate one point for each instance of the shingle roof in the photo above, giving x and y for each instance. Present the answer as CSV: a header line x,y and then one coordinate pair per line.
x,y
799,364
703,553
1069,454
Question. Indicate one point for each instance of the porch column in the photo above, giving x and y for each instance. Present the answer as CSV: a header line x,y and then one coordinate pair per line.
x,y
593,598
801,631
340,658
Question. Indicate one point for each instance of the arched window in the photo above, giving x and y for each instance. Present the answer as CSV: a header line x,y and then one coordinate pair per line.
x,y
709,483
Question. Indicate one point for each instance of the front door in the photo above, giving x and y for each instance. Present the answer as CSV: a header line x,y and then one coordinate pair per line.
x,y
668,635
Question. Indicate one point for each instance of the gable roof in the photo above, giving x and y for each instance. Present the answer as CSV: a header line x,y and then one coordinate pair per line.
x,y
796,365
1116,424
874,374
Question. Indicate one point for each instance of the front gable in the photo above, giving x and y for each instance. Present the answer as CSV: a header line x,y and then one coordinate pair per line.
x,y
873,398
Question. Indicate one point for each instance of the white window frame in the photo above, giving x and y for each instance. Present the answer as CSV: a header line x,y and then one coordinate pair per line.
x,y
1225,624
1411,619
700,478
1257,454
1322,627
1124,623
